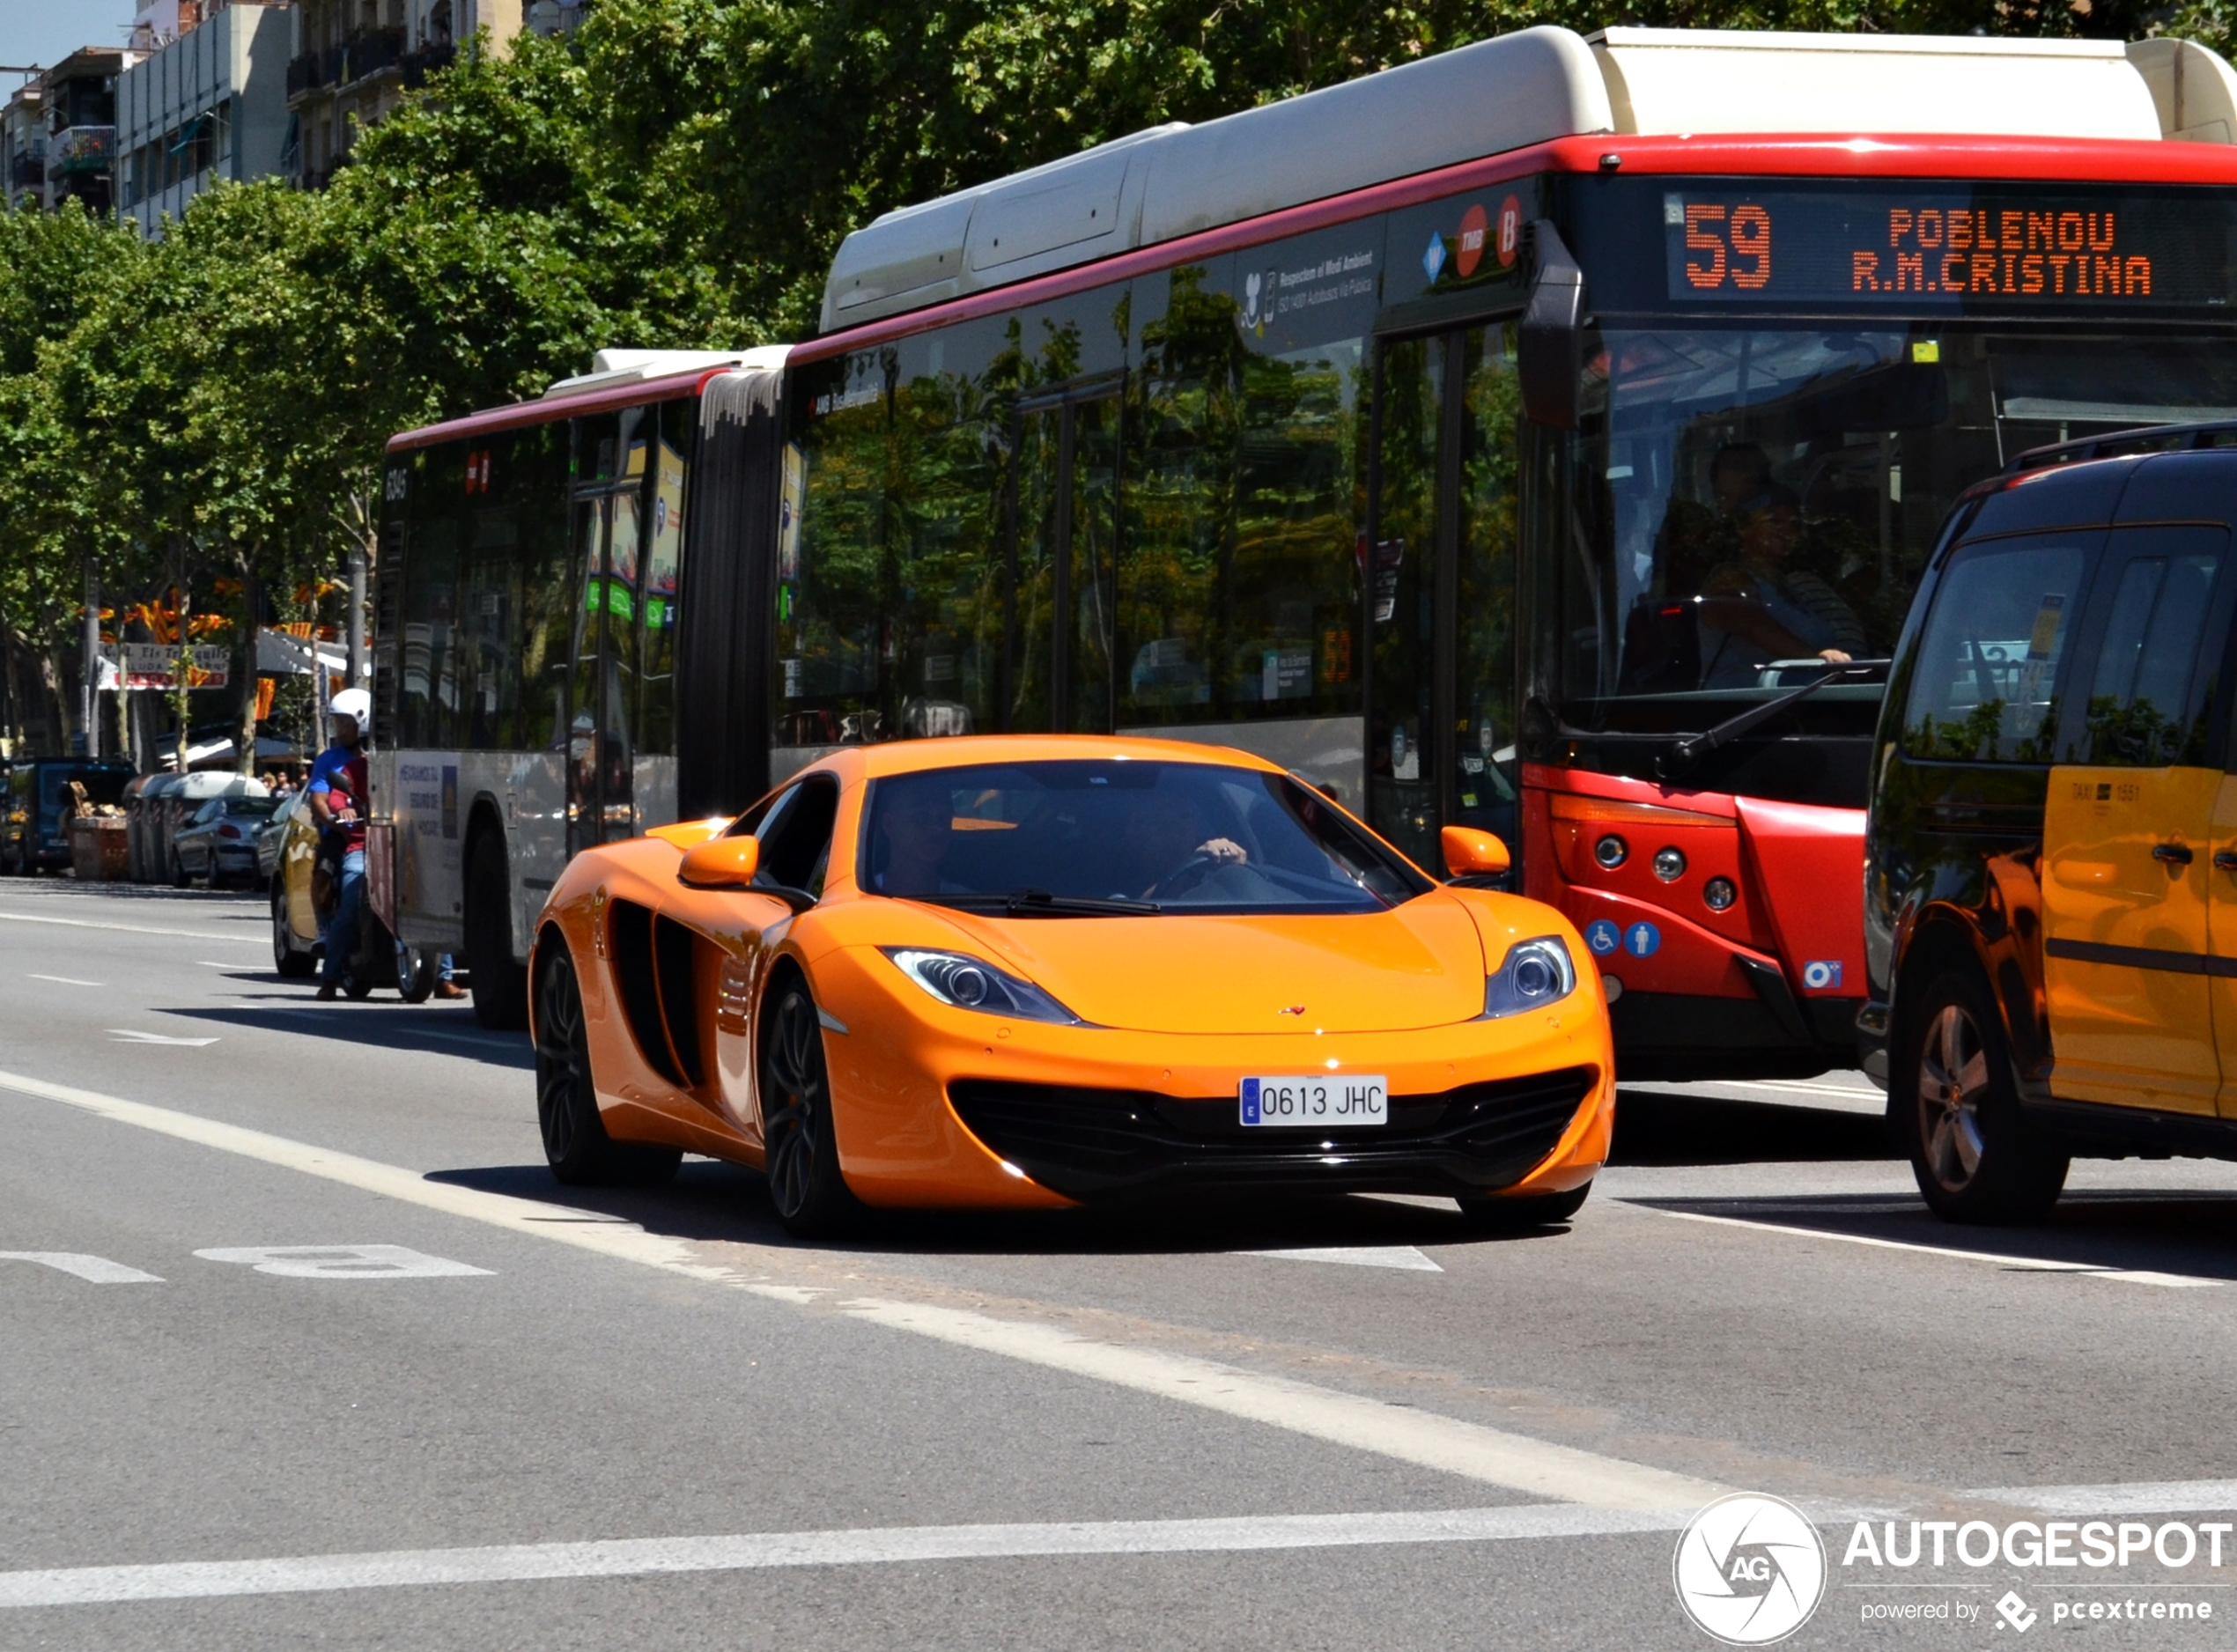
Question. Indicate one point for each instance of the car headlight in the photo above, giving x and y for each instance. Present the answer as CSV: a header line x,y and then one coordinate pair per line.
x,y
969,983
1536,973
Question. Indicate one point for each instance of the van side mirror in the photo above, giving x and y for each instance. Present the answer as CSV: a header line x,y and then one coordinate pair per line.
x,y
1470,853
721,863
1549,346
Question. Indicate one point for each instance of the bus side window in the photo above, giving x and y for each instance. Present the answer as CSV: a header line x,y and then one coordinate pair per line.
x,y
547,585
663,570
439,509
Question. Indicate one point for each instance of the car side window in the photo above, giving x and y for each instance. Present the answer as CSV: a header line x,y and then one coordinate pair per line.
x,y
1987,673
796,836
2151,690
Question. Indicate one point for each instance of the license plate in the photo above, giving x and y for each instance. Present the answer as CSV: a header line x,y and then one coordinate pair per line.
x,y
1320,1100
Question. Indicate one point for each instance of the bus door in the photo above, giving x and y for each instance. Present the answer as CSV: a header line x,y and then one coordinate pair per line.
x,y
2128,834
602,752
1063,565
1441,578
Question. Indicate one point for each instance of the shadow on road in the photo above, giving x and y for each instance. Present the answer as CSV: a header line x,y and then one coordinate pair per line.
x,y
729,1204
378,1022
1653,1128
2191,1235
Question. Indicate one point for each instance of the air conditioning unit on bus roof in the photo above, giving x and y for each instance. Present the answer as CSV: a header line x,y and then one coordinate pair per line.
x,y
1509,93
611,367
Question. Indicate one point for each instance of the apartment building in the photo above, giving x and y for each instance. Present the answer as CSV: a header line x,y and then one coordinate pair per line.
x,y
355,59
79,95
23,147
209,102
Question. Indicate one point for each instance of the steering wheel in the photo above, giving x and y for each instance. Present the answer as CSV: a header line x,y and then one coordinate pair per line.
x,y
1186,875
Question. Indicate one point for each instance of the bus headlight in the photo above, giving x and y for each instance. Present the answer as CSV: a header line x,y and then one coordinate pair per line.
x,y
1534,974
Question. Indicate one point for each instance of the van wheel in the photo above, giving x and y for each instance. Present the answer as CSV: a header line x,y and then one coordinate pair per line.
x,y
575,1142
292,965
1976,1158
500,986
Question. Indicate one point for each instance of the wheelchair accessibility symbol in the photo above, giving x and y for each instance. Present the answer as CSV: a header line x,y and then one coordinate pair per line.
x,y
1602,937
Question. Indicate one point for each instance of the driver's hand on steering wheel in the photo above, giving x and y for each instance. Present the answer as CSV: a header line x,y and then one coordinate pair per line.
x,y
1223,850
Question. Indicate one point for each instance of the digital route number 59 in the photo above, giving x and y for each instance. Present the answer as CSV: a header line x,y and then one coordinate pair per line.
x,y
1727,244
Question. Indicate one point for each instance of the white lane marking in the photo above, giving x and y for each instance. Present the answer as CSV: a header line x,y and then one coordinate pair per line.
x,y
341,1262
1420,1437
408,1569
2031,1264
65,980
2138,1497
130,929
99,1270
1411,1435
1404,1257
126,1035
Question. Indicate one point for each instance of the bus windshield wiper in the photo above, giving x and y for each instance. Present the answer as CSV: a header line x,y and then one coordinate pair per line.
x,y
1692,748
1041,903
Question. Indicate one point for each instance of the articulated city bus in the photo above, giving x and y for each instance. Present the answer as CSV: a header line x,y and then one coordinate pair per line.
x,y
1498,440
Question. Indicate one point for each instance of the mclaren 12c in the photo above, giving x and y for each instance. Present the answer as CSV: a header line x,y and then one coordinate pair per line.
x,y
1028,973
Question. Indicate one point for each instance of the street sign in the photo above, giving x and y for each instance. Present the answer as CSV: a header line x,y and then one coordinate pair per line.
x,y
156,666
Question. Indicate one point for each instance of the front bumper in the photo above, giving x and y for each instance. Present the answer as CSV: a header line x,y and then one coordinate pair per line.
x,y
937,1106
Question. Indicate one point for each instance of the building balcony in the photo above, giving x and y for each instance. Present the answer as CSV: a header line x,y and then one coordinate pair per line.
x,y
428,61
369,54
303,74
26,170
81,149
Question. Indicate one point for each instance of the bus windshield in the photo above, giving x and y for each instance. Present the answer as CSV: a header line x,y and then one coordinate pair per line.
x,y
1752,502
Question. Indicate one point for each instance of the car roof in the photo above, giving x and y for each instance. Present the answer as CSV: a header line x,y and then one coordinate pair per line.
x,y
915,756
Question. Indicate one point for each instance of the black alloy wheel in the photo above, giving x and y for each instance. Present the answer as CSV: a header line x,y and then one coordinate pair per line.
x,y
1974,1157
292,965
575,1142
500,986
1494,1214
805,1184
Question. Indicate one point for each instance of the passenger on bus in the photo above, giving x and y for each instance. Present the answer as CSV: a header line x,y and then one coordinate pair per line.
x,y
1760,607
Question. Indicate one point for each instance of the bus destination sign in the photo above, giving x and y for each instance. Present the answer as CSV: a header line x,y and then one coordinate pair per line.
x,y
1969,248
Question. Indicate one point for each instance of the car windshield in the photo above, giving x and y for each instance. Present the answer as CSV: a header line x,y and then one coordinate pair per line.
x,y
1085,838
255,806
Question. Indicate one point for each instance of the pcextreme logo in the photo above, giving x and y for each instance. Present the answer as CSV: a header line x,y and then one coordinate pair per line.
x,y
1749,1569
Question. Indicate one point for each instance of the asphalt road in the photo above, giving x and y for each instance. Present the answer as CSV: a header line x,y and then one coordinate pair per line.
x,y
300,1344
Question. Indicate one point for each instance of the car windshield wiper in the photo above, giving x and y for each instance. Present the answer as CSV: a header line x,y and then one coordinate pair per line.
x,y
1041,903
1692,748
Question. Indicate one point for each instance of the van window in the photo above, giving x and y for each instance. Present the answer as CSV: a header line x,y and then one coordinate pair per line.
x,y
1984,683
2150,694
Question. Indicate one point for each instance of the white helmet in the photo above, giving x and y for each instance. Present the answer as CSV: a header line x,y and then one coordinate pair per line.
x,y
354,703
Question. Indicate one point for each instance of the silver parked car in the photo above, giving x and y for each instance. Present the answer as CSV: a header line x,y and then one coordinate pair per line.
x,y
218,845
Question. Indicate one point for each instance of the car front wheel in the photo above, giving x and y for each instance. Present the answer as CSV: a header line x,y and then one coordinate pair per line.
x,y
292,965
1976,1158
810,1195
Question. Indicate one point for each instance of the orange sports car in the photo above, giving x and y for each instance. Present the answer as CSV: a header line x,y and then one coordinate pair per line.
x,y
1026,972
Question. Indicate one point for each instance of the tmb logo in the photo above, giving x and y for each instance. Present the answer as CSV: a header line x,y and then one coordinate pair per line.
x,y
1749,1569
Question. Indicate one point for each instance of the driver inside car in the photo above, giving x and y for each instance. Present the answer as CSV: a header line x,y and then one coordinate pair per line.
x,y
1174,847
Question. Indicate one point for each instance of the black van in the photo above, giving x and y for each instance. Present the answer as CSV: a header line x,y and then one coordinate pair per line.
x,y
2050,861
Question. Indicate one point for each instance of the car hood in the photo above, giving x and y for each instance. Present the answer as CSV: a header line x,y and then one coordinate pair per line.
x,y
1418,965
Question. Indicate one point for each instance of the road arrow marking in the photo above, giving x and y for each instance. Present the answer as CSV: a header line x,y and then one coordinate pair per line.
x,y
126,1035
65,980
1404,1257
99,1270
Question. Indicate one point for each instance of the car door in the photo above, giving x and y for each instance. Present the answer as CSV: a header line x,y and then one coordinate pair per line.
x,y
795,829
2128,829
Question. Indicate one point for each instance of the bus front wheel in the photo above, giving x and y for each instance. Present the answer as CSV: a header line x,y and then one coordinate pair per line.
x,y
500,984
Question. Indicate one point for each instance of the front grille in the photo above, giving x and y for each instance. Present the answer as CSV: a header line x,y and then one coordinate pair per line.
x,y
1090,1143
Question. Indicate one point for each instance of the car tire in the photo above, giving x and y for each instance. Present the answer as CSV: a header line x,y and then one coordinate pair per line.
x,y
1494,1214
805,1186
1956,1109
575,1142
500,986
416,973
180,877
292,965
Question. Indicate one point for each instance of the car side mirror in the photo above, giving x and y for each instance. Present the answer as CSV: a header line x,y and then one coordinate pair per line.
x,y
721,863
1470,853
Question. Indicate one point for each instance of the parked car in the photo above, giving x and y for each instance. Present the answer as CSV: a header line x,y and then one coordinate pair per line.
x,y
170,808
34,836
218,845
2050,877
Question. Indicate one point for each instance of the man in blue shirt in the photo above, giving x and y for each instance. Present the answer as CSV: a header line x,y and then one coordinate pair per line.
x,y
340,803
